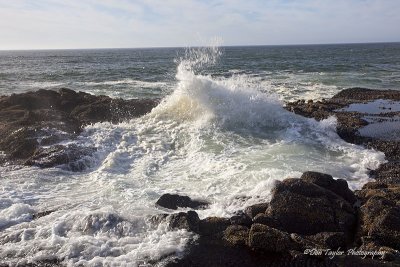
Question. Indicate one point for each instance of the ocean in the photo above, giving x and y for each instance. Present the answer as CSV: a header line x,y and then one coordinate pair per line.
x,y
220,134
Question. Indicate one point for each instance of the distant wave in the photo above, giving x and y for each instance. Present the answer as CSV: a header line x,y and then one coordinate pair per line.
x,y
138,83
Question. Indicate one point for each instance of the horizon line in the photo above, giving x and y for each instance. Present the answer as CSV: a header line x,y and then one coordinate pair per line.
x,y
196,46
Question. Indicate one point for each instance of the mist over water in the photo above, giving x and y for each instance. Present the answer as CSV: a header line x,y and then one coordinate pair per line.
x,y
214,136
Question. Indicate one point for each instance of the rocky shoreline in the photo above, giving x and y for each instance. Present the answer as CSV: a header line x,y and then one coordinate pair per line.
x,y
33,125
313,220
315,213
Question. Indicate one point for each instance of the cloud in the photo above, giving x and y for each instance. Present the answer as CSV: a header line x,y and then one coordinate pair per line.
x,y
141,23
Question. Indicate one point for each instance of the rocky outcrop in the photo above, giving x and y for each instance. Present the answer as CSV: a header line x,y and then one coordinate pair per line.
x,y
302,207
311,212
350,122
31,120
315,212
174,201
379,220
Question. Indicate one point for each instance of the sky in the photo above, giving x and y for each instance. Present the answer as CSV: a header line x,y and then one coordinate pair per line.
x,y
59,24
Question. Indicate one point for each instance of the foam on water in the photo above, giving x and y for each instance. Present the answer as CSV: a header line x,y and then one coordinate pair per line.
x,y
218,140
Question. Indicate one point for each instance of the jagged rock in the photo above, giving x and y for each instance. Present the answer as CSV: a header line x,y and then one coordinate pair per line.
x,y
380,215
339,186
349,122
174,201
262,218
184,220
241,219
27,117
59,155
386,253
20,143
236,235
364,94
388,172
331,240
306,208
267,238
253,210
213,225
157,218
41,214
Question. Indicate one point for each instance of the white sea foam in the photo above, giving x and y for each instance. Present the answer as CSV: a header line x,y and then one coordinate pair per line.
x,y
43,85
133,82
219,140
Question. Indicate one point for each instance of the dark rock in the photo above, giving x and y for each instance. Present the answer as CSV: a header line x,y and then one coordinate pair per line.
x,y
184,220
262,218
363,94
380,215
27,118
213,225
253,210
213,253
321,241
306,208
236,235
331,240
241,219
158,218
20,143
60,155
388,172
267,238
174,201
41,214
339,186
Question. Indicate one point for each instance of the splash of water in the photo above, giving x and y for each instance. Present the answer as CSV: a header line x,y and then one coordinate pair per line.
x,y
216,140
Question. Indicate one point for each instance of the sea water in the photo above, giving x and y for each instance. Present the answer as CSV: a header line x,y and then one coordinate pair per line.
x,y
220,134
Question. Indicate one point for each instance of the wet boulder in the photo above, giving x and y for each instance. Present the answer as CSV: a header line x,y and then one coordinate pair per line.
x,y
213,226
263,218
174,201
236,235
306,208
184,220
339,186
255,209
241,219
263,237
20,143
71,156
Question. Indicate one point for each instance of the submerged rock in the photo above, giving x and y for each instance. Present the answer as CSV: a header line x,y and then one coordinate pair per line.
x,y
69,155
174,201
